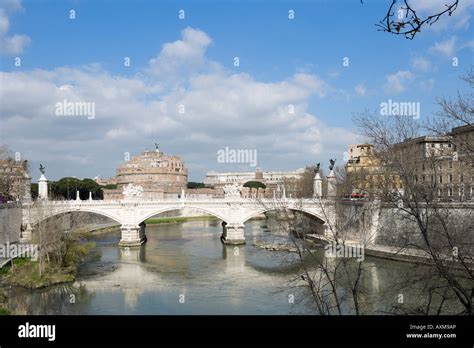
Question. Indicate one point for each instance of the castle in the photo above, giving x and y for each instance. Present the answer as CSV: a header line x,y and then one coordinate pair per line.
x,y
160,176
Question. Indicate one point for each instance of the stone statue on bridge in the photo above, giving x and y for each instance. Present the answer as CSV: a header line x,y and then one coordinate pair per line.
x,y
42,169
332,162
231,190
131,191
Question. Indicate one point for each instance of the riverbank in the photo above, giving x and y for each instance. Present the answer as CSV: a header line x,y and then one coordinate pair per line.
x,y
3,303
25,273
406,255
29,273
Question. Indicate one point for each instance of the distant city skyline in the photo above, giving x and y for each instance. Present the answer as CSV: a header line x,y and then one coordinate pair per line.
x,y
112,78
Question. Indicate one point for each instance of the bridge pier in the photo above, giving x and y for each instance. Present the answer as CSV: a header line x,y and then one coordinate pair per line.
x,y
26,233
233,234
132,235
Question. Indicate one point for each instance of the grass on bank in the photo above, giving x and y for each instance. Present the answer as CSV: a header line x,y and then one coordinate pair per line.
x,y
25,271
3,301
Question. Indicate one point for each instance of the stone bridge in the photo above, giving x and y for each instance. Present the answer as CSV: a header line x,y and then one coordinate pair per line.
x,y
132,213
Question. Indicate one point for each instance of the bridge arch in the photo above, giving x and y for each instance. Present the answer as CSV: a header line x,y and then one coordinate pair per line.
x,y
262,210
154,212
36,220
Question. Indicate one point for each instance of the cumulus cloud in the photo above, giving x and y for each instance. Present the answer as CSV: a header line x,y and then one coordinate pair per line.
x,y
420,63
195,112
181,57
10,44
396,83
446,47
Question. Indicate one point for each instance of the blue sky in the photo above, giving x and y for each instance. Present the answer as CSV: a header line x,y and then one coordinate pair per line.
x,y
305,55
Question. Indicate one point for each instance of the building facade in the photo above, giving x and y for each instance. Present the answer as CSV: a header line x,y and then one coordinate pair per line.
x,y
366,174
15,183
443,163
274,181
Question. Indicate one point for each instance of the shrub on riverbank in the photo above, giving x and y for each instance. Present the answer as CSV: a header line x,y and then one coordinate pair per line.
x,y
3,301
26,272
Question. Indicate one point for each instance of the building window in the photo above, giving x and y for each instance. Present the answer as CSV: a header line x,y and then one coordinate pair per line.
x,y
450,178
440,192
450,164
423,178
450,192
440,179
423,167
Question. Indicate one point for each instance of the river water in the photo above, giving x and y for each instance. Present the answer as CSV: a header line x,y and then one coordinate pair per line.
x,y
185,269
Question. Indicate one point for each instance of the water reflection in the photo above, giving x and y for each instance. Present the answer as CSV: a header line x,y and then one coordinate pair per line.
x,y
185,269
234,257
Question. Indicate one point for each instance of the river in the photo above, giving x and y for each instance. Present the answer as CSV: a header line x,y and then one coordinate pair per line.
x,y
184,268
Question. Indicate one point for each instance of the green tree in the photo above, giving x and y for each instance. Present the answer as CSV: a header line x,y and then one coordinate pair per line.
x,y
195,185
255,185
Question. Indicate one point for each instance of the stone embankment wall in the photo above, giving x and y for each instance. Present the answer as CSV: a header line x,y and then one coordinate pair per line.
x,y
396,228
10,223
383,224
77,220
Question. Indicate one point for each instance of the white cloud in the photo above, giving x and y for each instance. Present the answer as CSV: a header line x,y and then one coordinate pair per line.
x,y
221,108
446,48
396,83
469,44
183,56
427,85
360,89
10,44
420,63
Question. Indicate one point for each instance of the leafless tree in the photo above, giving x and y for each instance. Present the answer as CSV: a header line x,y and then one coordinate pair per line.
x,y
6,179
406,21
443,237
456,113
52,241
325,275
12,174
